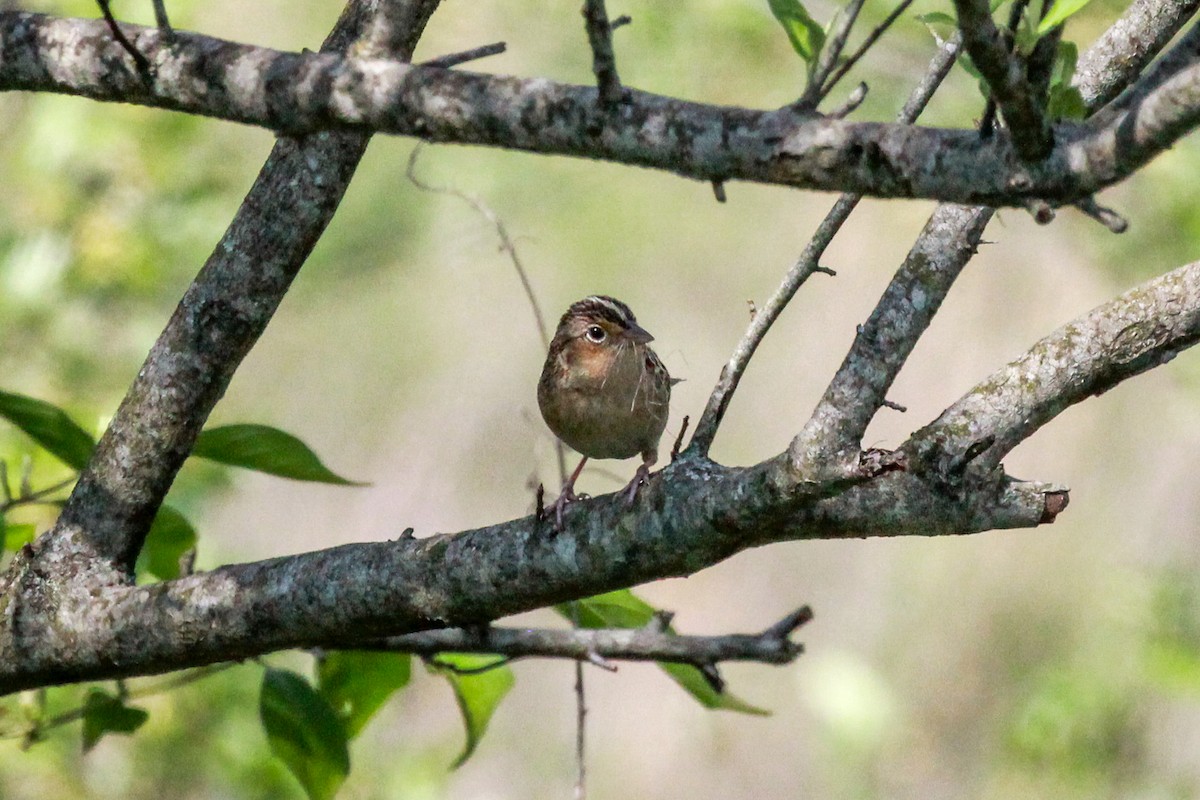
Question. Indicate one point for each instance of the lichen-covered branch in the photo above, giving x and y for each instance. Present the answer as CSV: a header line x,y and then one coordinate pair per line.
x,y
219,318
1122,51
884,342
305,92
691,515
1143,328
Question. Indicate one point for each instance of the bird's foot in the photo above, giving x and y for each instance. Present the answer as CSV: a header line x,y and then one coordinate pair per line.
x,y
639,478
565,498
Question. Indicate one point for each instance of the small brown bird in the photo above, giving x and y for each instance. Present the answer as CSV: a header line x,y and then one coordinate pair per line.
x,y
603,391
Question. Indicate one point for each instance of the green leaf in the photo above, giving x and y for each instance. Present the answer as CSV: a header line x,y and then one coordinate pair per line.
x,y
105,713
1064,63
624,609
171,535
304,733
806,36
1058,14
1066,102
14,537
478,695
50,427
356,683
695,684
265,449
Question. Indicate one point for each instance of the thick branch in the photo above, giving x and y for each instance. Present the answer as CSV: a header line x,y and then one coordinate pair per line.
x,y
884,342
1143,328
771,646
306,92
691,515
220,317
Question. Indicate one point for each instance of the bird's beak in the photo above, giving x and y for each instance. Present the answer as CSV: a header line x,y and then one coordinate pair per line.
x,y
639,334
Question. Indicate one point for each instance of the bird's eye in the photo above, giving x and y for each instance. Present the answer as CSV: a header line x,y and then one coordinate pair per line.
x,y
595,334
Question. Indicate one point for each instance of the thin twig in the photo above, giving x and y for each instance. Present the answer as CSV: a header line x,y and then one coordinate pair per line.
x,y
805,266
580,717
32,498
161,687
987,124
1105,216
451,60
851,103
510,248
1016,96
162,20
872,37
650,643
683,426
143,64
604,61
831,53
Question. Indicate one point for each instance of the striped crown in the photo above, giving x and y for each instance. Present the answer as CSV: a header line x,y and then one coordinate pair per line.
x,y
601,307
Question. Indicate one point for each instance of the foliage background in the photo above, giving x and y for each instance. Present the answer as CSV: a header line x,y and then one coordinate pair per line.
x,y
1059,662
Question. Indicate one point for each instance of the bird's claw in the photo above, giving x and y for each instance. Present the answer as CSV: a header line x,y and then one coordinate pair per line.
x,y
639,478
565,498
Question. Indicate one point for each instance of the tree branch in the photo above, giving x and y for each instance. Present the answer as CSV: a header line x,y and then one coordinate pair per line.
x,y
604,61
651,643
882,345
301,93
690,515
803,269
834,431
1122,51
220,317
1005,75
1143,328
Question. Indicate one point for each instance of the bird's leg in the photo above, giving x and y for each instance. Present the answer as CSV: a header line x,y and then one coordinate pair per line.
x,y
639,477
567,495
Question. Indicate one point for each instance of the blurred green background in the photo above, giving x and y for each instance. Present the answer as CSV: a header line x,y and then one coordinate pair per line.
x,y
1058,662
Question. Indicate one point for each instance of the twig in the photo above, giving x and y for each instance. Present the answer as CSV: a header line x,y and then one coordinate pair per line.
x,y
683,426
771,646
604,61
454,59
851,103
30,497
718,187
143,64
457,670
987,124
167,685
805,266
872,37
894,406
1007,80
1105,216
162,20
832,51
580,716
510,248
